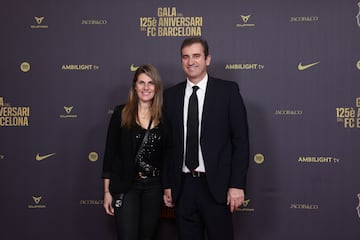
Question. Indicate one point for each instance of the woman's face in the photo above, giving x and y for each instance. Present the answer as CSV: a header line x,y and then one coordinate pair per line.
x,y
145,88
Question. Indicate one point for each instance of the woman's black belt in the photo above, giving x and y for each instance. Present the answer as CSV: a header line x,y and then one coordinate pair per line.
x,y
148,174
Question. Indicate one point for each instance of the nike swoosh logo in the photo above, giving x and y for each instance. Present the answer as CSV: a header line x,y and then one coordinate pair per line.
x,y
303,67
40,158
133,68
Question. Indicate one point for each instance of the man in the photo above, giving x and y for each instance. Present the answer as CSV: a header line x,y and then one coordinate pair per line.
x,y
208,188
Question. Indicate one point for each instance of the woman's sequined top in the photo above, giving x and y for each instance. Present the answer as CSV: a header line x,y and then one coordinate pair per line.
x,y
149,159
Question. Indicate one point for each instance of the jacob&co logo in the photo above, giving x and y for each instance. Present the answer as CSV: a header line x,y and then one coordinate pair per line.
x,y
36,200
288,112
94,22
91,202
39,23
304,19
304,206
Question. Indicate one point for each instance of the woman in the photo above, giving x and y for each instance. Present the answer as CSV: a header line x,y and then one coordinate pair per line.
x,y
132,186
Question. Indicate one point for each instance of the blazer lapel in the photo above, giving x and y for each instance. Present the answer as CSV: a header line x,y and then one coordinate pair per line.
x,y
179,109
210,96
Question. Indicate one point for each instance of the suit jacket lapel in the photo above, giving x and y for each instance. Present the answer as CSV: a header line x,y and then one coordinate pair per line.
x,y
210,96
179,108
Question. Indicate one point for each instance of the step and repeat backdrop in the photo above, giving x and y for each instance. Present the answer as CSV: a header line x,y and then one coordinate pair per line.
x,y
66,64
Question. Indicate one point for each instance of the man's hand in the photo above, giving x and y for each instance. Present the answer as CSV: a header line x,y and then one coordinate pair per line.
x,y
168,198
235,198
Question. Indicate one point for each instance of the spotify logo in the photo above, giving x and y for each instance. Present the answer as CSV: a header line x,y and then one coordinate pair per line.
x,y
25,67
259,158
93,157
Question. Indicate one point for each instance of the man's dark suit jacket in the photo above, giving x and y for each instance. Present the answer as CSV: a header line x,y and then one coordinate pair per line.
x,y
224,138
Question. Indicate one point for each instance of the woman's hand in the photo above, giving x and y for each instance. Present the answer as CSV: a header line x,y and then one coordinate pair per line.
x,y
107,204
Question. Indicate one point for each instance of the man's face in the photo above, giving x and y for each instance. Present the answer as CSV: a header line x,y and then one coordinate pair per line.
x,y
194,63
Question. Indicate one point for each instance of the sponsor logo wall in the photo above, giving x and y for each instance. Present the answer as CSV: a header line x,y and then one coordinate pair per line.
x,y
65,65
